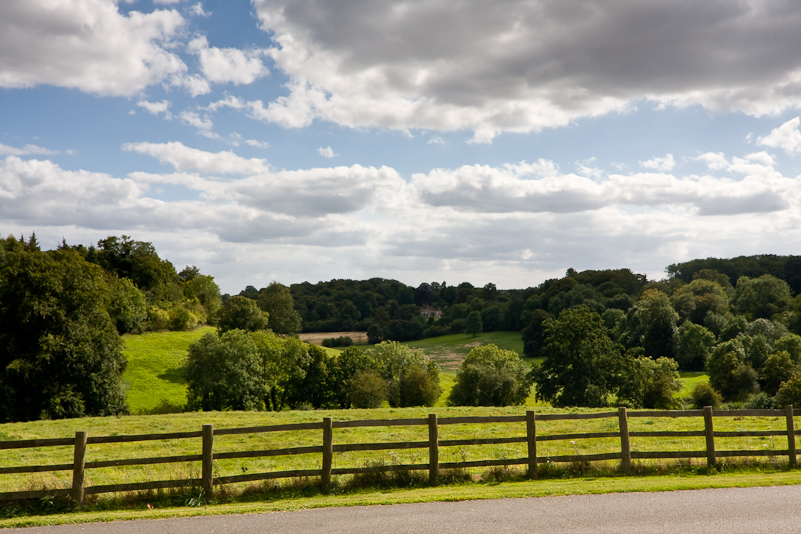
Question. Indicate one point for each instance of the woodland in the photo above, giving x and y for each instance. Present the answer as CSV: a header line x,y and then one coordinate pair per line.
x,y
595,337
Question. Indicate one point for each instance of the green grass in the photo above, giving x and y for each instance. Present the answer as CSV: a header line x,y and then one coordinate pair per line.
x,y
556,480
450,350
154,377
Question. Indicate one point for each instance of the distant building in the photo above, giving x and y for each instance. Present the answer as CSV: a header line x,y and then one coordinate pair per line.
x,y
428,311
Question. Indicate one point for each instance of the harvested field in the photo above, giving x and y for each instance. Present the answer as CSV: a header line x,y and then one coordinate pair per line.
x,y
316,338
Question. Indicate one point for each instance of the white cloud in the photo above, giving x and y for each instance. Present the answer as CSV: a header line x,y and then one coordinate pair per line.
x,y
256,143
327,152
184,158
436,141
787,137
197,10
27,150
665,163
524,65
155,108
193,119
87,45
228,65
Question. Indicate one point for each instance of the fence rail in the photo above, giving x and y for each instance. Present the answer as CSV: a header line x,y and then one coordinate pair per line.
x,y
207,455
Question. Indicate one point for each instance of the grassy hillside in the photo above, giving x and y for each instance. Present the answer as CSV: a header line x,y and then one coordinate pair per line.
x,y
153,377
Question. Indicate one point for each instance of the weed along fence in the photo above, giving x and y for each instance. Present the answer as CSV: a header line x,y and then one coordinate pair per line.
x,y
322,448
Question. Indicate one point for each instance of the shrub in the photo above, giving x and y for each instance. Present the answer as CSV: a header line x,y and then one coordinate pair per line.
x,y
341,341
182,319
649,383
790,392
490,376
760,401
157,319
241,313
367,390
705,395
778,368
419,387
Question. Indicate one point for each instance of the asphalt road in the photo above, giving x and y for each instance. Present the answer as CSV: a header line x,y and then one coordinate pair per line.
x,y
730,511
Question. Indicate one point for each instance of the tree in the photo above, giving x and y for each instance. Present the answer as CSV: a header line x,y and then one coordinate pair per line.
x,y
127,305
651,324
649,383
60,354
490,376
473,324
277,301
394,361
729,372
240,313
203,288
534,333
691,345
777,369
762,297
694,300
790,392
582,363
223,372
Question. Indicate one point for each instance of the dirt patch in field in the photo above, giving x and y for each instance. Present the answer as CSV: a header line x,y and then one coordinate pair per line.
x,y
316,338
450,358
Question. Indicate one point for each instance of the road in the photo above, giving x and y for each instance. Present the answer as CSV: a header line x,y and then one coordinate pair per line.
x,y
729,511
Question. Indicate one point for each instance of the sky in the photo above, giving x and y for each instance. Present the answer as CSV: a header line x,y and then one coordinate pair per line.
x,y
419,140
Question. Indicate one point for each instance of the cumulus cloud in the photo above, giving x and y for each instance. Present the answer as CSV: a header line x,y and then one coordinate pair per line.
x,y
87,45
184,158
156,108
203,124
665,163
525,65
228,65
787,137
327,152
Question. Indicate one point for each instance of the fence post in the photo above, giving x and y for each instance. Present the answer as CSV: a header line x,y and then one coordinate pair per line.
x,y
433,448
78,468
328,452
625,445
788,410
709,432
531,439
207,472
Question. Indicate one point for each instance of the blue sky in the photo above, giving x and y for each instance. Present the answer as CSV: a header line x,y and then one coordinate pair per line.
x,y
424,140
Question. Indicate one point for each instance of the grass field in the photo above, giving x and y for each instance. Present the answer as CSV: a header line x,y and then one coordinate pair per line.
x,y
154,377
596,478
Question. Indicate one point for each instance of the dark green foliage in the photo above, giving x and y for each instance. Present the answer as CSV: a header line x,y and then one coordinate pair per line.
x,y
792,344
276,300
692,344
762,297
473,324
341,341
223,372
202,288
138,261
790,392
651,324
696,299
705,395
787,268
375,334
60,354
534,333
240,313
778,368
730,374
127,306
582,363
648,383
367,390
490,376
419,386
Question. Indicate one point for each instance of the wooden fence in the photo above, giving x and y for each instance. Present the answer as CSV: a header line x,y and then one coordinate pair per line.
x,y
328,447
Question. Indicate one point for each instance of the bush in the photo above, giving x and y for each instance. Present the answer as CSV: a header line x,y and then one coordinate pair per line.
x,y
157,319
367,390
790,392
419,387
705,395
181,319
341,341
490,376
241,313
649,383
760,401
